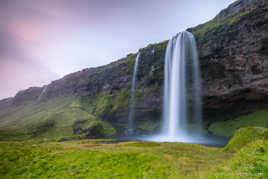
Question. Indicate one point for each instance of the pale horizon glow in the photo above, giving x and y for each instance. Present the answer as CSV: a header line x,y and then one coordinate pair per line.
x,y
42,41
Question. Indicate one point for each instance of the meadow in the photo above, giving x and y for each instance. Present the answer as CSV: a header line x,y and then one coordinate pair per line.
x,y
91,159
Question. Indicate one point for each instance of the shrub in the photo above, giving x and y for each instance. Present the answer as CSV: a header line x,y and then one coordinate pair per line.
x,y
93,129
103,106
244,136
42,127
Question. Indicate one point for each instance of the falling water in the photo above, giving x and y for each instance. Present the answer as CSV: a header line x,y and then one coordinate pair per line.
x,y
131,115
182,113
182,87
42,93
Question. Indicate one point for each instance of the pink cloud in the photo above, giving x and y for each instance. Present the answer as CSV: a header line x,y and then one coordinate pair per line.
x,y
28,31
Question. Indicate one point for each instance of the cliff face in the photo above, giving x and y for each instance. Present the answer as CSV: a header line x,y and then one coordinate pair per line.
x,y
25,96
240,6
233,49
234,60
6,103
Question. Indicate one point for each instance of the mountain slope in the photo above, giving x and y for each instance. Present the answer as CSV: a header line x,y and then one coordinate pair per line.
x,y
233,51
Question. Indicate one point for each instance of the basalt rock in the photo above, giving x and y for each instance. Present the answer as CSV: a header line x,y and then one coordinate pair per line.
x,y
25,96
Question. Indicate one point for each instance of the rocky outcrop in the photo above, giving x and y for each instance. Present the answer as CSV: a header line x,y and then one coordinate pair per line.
x,y
240,6
6,103
25,96
234,67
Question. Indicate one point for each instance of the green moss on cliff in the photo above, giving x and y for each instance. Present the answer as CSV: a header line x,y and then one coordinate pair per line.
x,y
218,25
108,105
148,126
227,128
160,49
130,60
121,101
103,105
93,129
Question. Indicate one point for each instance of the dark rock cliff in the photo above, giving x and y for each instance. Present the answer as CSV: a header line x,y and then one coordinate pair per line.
x,y
233,49
25,96
233,59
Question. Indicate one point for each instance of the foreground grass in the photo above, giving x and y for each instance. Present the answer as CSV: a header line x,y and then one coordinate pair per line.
x,y
249,162
88,159
245,156
250,148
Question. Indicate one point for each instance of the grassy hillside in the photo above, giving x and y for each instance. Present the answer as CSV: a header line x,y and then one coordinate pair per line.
x,y
227,128
244,136
54,119
250,148
76,117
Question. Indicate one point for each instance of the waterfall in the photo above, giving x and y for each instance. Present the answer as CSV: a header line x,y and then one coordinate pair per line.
x,y
132,102
42,93
182,103
182,88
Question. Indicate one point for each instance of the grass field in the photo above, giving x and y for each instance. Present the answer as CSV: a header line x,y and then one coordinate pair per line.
x,y
89,159
83,159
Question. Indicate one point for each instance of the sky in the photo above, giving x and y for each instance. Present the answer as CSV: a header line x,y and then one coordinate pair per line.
x,y
43,40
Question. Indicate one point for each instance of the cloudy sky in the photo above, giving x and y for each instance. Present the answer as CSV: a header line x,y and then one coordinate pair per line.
x,y
43,40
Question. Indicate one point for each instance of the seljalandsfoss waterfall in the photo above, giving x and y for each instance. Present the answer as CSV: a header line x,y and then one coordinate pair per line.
x,y
182,89
182,99
131,115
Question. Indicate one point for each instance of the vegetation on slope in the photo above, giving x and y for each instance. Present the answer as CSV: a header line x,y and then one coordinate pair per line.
x,y
65,118
105,106
220,24
53,119
93,129
250,148
227,128
245,136
249,162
